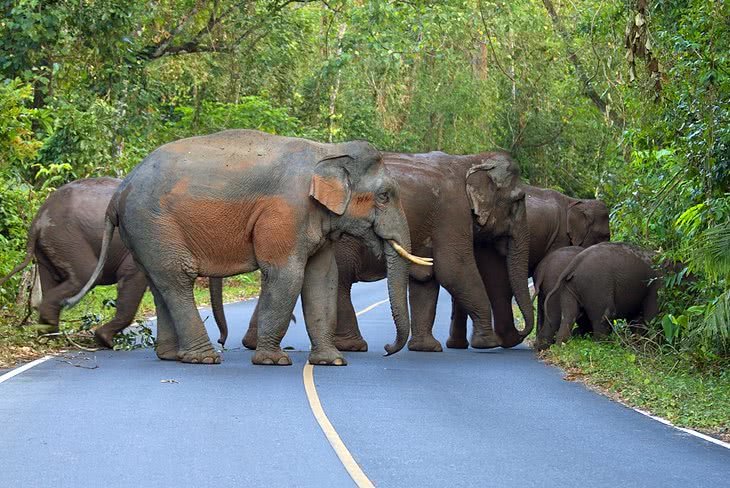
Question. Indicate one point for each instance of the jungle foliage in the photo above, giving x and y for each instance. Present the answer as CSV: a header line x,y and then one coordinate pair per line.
x,y
625,100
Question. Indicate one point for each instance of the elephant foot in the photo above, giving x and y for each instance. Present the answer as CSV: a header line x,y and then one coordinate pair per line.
x,y
542,344
457,343
511,340
166,352
327,357
250,340
105,338
268,357
485,341
350,343
424,343
202,355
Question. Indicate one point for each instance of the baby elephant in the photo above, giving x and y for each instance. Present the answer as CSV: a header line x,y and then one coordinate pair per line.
x,y
546,277
606,281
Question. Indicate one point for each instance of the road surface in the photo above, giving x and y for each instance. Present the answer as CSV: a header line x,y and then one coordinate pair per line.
x,y
458,418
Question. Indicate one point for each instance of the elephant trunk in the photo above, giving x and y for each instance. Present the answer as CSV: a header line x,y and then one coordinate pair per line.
x,y
517,267
393,229
398,295
215,286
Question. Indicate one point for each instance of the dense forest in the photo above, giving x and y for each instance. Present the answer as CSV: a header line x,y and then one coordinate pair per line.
x,y
623,100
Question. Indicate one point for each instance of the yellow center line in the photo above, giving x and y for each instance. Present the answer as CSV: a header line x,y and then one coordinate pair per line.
x,y
353,469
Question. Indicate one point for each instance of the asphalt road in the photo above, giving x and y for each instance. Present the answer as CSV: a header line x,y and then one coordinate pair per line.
x,y
458,418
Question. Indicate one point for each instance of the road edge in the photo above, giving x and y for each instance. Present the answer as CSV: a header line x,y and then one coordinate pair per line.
x,y
16,371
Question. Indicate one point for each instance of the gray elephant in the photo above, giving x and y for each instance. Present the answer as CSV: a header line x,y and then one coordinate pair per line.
x,y
458,208
545,278
608,281
241,200
65,238
555,221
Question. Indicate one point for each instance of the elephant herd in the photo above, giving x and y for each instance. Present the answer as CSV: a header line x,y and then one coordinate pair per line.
x,y
315,218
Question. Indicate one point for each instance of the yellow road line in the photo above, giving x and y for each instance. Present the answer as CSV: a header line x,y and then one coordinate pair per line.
x,y
353,469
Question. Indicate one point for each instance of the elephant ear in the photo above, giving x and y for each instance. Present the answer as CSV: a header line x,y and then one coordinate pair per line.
x,y
331,183
579,223
479,186
486,184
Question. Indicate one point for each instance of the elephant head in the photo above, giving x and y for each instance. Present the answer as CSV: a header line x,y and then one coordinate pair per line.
x,y
588,223
497,199
364,202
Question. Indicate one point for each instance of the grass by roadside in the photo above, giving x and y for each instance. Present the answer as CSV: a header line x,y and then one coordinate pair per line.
x,y
667,385
19,345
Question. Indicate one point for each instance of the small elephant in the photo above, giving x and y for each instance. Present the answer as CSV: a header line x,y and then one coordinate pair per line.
x,y
65,239
545,278
459,209
555,221
240,200
607,281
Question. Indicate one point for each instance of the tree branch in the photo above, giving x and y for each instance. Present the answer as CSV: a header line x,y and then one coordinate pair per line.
x,y
588,89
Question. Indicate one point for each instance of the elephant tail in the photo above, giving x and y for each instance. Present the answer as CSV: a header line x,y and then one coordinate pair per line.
x,y
106,241
215,285
29,252
553,314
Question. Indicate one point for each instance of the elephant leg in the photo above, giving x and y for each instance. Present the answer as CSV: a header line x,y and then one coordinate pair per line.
x,y
131,285
457,328
463,281
280,287
650,306
50,314
166,345
251,337
319,304
176,289
347,334
545,337
600,323
569,309
493,270
423,298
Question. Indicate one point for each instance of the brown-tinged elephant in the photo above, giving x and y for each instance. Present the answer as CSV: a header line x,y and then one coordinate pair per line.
x,y
607,281
545,278
458,209
240,200
65,239
555,221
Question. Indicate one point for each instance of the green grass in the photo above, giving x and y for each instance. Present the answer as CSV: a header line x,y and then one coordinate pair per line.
x,y
667,385
24,344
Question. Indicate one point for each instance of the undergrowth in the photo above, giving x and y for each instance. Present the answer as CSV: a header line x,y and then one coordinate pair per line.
x,y
639,371
20,344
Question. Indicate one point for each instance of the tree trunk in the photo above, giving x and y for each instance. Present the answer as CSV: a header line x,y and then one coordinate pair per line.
x,y
588,89
336,87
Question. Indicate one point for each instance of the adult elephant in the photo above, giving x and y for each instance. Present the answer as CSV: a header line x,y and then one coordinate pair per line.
x,y
65,239
241,200
459,209
555,221
610,280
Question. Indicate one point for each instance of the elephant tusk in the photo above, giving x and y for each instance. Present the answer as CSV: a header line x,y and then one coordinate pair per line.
x,y
410,257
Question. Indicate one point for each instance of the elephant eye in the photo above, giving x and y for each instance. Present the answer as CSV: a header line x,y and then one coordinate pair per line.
x,y
382,198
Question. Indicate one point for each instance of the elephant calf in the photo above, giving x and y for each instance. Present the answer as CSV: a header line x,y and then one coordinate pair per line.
x,y
65,238
607,281
546,277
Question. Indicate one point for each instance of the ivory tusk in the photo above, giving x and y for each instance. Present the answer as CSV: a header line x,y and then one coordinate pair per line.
x,y
410,257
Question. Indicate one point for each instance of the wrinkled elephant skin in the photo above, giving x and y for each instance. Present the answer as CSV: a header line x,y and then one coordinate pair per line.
x,y
240,200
